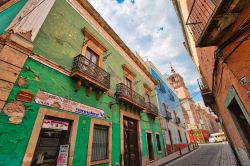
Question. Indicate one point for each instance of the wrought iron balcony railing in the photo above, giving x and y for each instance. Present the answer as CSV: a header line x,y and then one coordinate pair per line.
x,y
168,115
152,109
128,95
177,120
206,93
209,20
199,16
86,70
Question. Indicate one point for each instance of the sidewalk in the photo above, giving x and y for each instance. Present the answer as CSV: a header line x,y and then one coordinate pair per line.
x,y
173,156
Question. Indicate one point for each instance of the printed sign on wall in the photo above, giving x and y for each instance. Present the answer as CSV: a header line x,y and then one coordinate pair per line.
x,y
62,159
54,124
48,99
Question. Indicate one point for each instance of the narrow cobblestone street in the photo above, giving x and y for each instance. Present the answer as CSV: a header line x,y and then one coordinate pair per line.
x,y
213,154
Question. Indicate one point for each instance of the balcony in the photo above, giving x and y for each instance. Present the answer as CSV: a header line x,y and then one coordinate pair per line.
x,y
208,20
152,109
177,120
168,115
126,95
206,93
88,73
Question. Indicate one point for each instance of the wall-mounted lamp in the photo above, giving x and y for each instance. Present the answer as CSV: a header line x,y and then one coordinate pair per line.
x,y
106,56
136,82
111,104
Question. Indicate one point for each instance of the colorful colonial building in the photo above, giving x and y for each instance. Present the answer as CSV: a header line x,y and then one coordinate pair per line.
x,y
193,124
73,92
172,119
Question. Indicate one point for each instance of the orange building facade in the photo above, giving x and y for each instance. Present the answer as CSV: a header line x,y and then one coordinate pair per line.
x,y
217,34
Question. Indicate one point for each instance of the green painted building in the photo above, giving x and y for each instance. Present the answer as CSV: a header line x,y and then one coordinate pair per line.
x,y
73,92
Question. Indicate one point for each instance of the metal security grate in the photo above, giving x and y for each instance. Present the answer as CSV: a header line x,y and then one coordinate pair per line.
x,y
100,143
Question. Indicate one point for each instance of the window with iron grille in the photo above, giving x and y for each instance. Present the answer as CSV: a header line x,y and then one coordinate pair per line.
x,y
158,142
100,143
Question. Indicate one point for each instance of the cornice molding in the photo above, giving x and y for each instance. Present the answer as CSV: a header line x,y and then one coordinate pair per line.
x,y
90,9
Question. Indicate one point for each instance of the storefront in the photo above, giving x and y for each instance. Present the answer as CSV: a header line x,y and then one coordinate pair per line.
x,y
52,141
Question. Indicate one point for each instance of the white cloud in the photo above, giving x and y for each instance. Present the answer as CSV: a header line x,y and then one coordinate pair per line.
x,y
139,25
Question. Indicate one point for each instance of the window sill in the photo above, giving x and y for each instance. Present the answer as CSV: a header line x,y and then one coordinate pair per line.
x,y
99,162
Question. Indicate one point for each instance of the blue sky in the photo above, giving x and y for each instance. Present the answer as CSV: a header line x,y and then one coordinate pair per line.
x,y
152,30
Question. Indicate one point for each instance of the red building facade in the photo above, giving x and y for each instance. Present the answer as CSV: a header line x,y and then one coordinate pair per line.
x,y
217,34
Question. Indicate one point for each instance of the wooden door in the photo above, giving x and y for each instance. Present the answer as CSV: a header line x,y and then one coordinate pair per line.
x,y
131,151
170,137
150,147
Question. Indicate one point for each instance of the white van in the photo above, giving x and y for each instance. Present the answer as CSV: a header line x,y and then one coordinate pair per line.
x,y
217,137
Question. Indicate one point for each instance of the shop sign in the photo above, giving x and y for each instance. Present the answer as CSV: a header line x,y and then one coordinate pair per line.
x,y
48,99
54,124
198,135
62,159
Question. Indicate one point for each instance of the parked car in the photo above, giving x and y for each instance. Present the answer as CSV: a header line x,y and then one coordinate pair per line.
x,y
217,137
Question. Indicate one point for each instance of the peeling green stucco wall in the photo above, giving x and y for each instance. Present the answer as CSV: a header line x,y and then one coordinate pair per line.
x,y
60,39
14,138
7,15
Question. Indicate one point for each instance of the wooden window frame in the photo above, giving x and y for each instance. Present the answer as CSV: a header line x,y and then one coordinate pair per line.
x,y
128,74
95,54
37,128
91,131
157,133
94,44
8,4
148,91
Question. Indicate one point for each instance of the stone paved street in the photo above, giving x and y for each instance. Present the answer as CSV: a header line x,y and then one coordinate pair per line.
x,y
213,154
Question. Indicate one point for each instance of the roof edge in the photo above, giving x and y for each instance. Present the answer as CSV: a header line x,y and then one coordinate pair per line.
x,y
90,9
